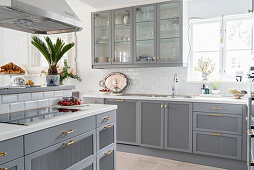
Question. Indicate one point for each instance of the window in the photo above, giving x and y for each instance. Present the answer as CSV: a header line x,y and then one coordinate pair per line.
x,y
227,42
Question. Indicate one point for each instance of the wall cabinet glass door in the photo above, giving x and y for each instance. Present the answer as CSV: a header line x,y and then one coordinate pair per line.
x,y
169,32
145,34
122,36
102,37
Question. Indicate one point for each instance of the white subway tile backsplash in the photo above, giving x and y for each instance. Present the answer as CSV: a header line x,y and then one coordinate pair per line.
x,y
43,103
67,93
14,107
37,96
48,94
24,97
4,108
9,98
0,99
31,113
53,101
17,115
31,105
58,93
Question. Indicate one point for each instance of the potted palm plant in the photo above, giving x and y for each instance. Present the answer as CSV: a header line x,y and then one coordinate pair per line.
x,y
53,54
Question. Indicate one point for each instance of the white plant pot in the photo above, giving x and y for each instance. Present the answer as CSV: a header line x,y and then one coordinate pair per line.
x,y
52,80
216,92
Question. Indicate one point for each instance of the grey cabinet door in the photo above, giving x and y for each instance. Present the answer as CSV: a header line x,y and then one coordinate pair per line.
x,y
178,126
106,159
151,123
126,120
101,38
65,155
17,164
106,136
169,34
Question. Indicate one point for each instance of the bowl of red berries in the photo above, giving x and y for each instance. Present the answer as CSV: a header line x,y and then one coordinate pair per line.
x,y
104,91
72,101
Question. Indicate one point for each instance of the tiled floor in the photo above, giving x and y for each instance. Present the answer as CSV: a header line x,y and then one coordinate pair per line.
x,y
128,161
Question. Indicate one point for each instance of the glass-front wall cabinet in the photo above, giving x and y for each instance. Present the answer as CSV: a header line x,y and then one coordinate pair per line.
x,y
169,34
122,33
102,38
145,34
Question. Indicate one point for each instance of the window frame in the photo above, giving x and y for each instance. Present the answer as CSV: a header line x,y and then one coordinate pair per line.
x,y
222,47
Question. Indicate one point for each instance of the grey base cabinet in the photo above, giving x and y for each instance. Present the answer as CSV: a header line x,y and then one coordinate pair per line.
x,y
151,123
17,164
65,155
178,126
127,131
106,159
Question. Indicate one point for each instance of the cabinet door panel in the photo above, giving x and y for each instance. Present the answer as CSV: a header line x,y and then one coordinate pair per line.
x,y
106,136
169,32
178,126
63,155
101,35
106,159
126,120
122,36
17,164
145,34
152,116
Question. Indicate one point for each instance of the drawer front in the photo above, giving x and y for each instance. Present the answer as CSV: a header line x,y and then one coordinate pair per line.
x,y
47,137
215,144
106,159
17,164
11,149
223,123
105,118
106,136
93,100
68,154
217,108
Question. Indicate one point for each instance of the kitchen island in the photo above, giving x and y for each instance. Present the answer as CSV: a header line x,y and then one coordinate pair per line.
x,y
201,130
80,139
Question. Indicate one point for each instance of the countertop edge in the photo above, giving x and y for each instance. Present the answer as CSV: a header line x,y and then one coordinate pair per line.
x,y
198,99
9,131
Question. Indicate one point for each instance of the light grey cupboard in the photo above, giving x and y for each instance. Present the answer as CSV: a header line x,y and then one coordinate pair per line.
x,y
152,123
17,164
64,155
140,36
127,120
178,126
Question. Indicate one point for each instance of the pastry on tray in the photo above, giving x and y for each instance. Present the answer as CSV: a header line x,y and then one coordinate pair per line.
x,y
11,68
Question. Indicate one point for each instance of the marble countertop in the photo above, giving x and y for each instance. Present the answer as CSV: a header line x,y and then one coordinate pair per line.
x,y
13,90
8,131
229,100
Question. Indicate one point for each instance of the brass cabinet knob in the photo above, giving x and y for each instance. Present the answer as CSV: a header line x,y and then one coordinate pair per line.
x,y
107,118
3,153
69,143
166,106
109,152
70,131
162,106
109,126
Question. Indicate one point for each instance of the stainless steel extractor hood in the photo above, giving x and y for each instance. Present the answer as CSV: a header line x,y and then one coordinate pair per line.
x,y
39,16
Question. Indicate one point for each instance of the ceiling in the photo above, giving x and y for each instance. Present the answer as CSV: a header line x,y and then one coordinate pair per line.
x,y
110,3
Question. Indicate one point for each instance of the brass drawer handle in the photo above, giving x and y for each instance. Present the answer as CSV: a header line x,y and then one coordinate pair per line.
x,y
162,106
109,126
216,114
109,152
70,131
91,101
216,108
71,142
3,168
166,106
107,118
3,153
120,100
216,134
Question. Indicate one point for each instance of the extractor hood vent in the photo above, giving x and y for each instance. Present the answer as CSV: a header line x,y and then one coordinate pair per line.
x,y
39,17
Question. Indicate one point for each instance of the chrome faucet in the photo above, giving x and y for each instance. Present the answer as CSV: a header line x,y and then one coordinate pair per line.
x,y
175,80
